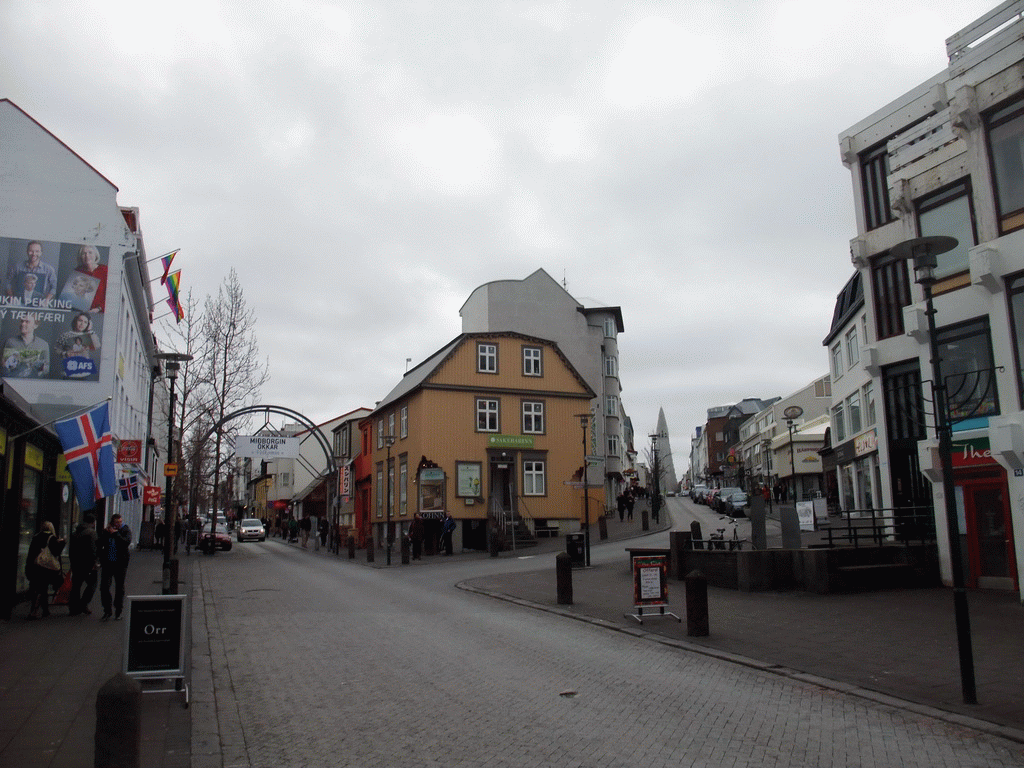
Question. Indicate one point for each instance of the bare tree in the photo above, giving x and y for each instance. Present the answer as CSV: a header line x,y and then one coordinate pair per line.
x,y
230,367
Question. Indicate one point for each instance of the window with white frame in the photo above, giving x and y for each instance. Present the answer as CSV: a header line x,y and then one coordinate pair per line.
x,y
487,415
532,361
838,424
533,417
380,433
533,478
404,421
610,365
613,445
403,485
611,405
837,361
380,490
852,405
852,348
487,358
391,426
867,395
609,328
391,485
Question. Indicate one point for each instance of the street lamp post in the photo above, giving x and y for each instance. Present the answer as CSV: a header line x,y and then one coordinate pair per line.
x,y
923,253
172,363
584,421
389,440
656,473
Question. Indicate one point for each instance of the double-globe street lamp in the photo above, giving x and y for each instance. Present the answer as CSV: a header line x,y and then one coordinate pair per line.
x,y
923,253
172,363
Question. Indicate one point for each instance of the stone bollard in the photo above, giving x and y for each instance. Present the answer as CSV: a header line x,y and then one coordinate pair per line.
x,y
563,577
369,549
351,542
405,550
696,604
118,740
602,527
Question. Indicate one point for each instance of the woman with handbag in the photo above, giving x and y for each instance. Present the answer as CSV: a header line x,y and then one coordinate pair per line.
x,y
42,569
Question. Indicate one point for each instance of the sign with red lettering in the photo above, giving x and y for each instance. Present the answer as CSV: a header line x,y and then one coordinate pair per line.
x,y
129,452
151,495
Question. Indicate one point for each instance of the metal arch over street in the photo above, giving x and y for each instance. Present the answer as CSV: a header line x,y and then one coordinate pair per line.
x,y
281,411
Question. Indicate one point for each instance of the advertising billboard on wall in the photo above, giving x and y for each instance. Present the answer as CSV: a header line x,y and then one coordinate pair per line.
x,y
52,303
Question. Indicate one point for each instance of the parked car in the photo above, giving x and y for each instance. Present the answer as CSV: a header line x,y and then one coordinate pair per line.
x,y
735,504
221,537
709,496
697,493
250,529
718,502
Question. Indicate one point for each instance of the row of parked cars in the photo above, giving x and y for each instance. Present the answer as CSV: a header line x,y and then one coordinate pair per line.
x,y
728,501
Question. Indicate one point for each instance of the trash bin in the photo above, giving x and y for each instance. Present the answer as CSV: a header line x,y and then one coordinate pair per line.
x,y
574,547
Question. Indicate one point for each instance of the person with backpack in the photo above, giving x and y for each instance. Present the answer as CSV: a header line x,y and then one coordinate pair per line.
x,y
82,552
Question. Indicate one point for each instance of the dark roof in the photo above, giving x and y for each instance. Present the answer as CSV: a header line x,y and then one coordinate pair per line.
x,y
848,302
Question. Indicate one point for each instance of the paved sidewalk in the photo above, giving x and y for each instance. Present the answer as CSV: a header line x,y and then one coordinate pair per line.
x,y
51,671
899,644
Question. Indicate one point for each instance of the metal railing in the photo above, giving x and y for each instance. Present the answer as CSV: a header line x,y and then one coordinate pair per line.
x,y
878,527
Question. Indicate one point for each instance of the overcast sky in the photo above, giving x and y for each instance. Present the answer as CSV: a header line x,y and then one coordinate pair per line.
x,y
365,165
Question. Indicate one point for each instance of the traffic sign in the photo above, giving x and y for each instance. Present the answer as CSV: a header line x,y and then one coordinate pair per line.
x,y
170,470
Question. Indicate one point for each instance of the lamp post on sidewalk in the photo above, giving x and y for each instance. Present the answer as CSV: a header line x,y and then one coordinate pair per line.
x,y
584,421
923,253
172,364
389,440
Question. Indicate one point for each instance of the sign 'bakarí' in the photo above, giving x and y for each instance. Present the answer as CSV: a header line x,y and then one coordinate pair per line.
x,y
267,447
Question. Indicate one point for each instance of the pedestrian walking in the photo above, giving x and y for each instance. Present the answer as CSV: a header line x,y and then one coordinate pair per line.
x,y
323,528
43,570
620,504
630,501
82,553
113,543
293,530
416,536
447,529
305,527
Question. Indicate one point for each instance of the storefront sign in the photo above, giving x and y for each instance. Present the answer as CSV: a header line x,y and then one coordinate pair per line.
x,y
973,452
154,632
129,452
866,443
468,479
265,447
151,495
509,441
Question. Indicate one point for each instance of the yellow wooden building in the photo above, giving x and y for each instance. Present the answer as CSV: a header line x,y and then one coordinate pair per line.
x,y
488,430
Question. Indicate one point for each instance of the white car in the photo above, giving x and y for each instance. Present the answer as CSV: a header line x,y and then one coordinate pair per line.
x,y
251,529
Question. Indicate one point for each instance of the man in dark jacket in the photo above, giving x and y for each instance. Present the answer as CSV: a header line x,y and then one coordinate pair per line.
x,y
113,544
84,566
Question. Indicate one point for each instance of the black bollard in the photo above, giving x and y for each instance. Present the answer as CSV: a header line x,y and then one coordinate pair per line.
x,y
696,604
118,740
602,528
369,549
351,542
645,521
405,550
492,542
563,577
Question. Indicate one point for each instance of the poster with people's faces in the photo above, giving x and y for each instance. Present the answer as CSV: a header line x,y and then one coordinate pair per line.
x,y
52,303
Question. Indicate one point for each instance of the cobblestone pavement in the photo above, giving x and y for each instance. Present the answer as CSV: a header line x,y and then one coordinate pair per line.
x,y
312,661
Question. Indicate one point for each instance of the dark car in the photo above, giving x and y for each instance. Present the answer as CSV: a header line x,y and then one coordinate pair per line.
x,y
718,502
735,504
221,537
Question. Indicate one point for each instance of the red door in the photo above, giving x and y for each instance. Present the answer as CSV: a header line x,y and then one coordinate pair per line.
x,y
989,534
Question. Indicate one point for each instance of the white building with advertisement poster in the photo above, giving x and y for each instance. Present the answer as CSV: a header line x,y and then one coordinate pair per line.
x,y
945,160
75,307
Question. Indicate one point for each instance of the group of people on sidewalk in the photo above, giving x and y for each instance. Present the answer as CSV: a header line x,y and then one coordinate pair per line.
x,y
92,555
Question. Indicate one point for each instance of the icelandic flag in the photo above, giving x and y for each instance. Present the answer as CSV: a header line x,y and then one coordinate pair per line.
x,y
129,487
90,454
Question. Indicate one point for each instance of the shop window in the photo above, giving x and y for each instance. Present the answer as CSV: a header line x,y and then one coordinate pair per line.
x,y
967,370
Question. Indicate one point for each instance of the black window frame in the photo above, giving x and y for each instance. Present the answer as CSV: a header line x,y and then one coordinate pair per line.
x,y
890,290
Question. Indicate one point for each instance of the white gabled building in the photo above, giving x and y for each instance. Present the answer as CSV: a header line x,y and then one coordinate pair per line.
x,y
73,259
947,159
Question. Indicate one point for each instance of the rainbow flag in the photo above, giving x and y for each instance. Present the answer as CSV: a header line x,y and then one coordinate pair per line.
x,y
166,261
173,282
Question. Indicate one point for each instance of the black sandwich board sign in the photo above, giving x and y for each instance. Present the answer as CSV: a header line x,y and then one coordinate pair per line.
x,y
155,637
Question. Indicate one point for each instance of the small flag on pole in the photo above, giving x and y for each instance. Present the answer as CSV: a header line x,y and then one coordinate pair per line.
x,y
166,261
129,487
173,281
89,452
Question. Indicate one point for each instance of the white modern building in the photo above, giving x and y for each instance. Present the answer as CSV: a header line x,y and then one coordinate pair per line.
x,y
75,307
947,159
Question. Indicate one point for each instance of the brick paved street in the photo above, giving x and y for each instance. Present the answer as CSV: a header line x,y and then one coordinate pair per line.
x,y
316,662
